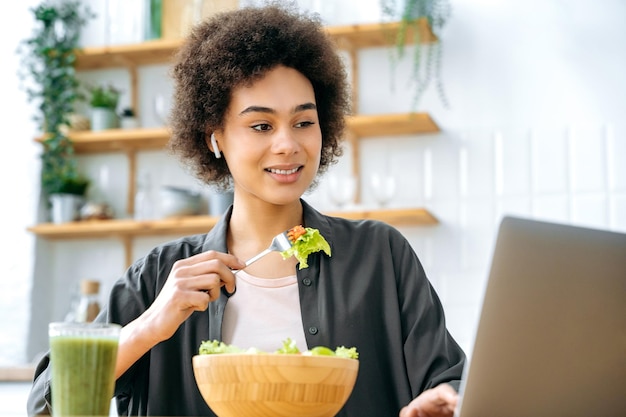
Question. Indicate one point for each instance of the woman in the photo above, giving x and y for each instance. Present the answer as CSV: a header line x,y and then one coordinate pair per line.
x,y
260,100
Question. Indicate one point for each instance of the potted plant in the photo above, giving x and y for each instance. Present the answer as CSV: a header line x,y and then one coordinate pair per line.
x,y
48,62
103,101
414,17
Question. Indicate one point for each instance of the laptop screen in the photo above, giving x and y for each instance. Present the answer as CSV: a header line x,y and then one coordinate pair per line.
x,y
551,339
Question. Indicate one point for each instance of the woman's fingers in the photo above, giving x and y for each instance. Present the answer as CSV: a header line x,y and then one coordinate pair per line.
x,y
200,273
227,259
206,272
440,401
209,284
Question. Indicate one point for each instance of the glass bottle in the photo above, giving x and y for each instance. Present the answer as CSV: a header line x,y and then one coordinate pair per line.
x,y
143,198
88,304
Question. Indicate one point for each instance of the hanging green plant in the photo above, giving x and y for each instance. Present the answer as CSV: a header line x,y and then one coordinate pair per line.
x,y
48,58
427,55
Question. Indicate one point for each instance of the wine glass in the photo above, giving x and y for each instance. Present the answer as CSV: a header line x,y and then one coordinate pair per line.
x,y
162,108
383,187
341,189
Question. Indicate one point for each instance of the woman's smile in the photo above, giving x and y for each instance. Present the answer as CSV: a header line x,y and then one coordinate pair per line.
x,y
285,175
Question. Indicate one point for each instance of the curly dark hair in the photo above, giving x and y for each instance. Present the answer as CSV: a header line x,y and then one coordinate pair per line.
x,y
236,48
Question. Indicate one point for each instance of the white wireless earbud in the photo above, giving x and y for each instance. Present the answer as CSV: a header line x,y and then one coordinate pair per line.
x,y
216,150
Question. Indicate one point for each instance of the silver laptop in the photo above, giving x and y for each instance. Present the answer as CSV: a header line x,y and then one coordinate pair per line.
x,y
551,339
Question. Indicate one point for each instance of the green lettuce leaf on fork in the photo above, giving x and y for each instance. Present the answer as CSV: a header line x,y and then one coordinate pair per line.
x,y
309,242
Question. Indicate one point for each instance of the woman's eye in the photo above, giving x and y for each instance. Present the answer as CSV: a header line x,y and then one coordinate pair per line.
x,y
304,124
262,127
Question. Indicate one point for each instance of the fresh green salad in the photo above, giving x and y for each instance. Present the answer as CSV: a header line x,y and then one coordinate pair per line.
x,y
305,241
211,347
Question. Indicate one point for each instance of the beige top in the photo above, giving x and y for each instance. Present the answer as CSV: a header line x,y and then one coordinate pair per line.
x,y
263,312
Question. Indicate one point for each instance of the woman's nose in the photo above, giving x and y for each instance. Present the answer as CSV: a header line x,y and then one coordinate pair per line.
x,y
285,142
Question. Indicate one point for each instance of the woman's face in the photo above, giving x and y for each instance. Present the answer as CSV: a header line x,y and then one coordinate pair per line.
x,y
271,138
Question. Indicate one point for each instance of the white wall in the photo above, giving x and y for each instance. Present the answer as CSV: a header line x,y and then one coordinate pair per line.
x,y
535,128
19,167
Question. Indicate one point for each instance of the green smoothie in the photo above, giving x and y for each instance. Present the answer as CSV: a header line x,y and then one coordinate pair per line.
x,y
83,378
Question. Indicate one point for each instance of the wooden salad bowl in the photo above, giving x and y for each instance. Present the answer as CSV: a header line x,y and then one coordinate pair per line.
x,y
274,385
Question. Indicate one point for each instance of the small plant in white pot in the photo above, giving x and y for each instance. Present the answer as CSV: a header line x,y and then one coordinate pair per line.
x,y
103,100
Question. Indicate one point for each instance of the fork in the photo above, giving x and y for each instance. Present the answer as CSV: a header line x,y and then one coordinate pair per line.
x,y
280,243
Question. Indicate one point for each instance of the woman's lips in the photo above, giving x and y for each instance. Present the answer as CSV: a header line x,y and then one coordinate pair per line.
x,y
285,175
283,171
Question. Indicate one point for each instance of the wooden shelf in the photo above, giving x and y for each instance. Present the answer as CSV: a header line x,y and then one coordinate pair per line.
x,y
156,138
158,51
363,126
161,51
395,217
124,227
201,224
128,229
372,35
113,140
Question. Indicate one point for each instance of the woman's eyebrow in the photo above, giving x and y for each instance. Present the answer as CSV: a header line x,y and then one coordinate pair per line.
x,y
261,109
305,106
257,109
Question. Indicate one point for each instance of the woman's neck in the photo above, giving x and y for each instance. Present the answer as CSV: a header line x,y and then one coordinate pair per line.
x,y
253,226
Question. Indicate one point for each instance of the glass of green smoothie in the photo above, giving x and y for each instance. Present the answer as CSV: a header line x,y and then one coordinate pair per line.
x,y
82,356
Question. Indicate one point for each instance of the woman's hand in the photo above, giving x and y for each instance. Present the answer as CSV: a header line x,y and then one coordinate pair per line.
x,y
191,285
435,402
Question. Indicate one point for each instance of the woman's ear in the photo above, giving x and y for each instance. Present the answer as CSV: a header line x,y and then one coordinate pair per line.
x,y
213,146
